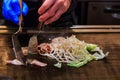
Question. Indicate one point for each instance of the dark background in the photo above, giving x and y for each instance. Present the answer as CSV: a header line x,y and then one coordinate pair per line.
x,y
93,12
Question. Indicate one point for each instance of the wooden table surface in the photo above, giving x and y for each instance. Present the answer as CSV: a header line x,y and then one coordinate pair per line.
x,y
105,69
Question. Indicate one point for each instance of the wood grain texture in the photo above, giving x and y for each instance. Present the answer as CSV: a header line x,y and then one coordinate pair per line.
x,y
105,69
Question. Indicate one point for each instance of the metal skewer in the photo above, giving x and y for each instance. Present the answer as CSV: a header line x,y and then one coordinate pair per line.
x,y
20,19
41,26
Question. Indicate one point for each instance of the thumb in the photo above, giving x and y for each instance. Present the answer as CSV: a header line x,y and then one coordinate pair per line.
x,y
24,9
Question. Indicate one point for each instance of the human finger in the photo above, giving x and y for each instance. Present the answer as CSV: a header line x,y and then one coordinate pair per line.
x,y
16,7
51,12
45,6
55,17
25,9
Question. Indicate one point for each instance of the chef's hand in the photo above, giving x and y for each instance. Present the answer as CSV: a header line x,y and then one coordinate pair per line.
x,y
51,10
11,10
